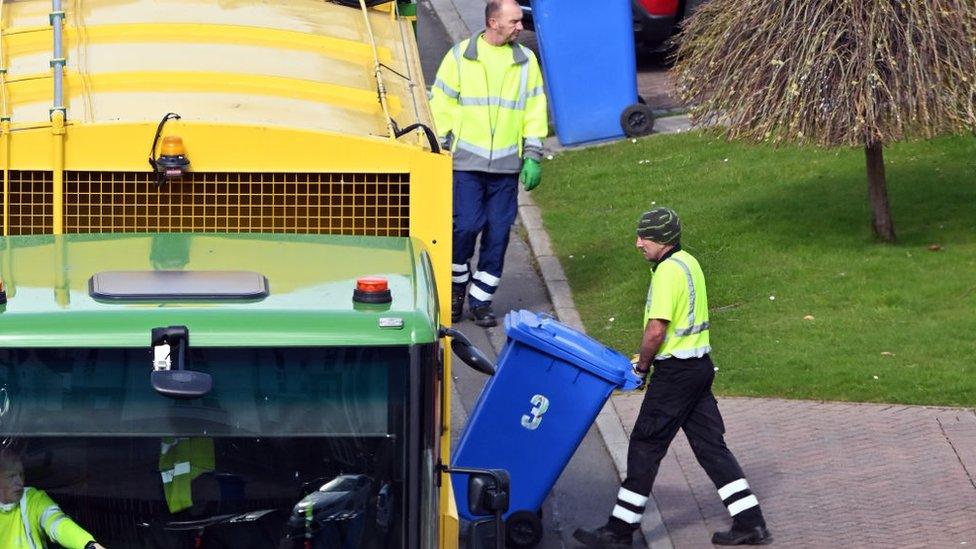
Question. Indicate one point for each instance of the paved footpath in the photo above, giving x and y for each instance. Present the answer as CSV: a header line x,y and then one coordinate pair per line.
x,y
832,474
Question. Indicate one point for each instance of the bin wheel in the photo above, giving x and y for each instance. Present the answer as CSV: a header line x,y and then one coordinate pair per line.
x,y
523,529
637,120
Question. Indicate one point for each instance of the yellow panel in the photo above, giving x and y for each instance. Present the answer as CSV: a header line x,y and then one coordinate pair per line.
x,y
176,36
34,87
269,53
450,525
213,147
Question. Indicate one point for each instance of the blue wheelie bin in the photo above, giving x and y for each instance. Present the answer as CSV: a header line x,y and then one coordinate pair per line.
x,y
550,383
590,69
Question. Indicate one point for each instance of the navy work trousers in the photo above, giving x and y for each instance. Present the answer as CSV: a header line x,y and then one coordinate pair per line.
x,y
485,204
679,396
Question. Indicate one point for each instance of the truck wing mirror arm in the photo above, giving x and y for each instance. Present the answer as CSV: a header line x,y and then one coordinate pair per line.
x,y
467,352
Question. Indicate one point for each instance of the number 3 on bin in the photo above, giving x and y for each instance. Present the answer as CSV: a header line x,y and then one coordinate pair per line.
x,y
532,419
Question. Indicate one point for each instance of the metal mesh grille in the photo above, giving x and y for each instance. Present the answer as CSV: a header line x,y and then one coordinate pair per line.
x,y
31,201
333,203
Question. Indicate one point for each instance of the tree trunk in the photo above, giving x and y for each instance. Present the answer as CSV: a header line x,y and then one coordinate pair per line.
x,y
881,222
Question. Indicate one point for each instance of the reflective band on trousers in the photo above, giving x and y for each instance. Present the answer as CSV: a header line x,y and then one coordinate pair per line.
x,y
479,294
732,488
632,498
487,278
692,328
459,273
741,505
625,515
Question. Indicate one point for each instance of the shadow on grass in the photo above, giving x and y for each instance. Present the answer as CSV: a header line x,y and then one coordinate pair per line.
x,y
928,205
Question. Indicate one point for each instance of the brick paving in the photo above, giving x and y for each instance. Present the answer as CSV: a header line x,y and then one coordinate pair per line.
x,y
832,474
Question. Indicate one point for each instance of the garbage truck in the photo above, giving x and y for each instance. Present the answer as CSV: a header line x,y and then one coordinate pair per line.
x,y
225,265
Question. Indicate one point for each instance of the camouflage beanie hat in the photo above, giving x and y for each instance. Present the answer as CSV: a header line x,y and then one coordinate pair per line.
x,y
659,225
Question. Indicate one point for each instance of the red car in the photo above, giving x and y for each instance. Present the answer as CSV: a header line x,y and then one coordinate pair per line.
x,y
655,21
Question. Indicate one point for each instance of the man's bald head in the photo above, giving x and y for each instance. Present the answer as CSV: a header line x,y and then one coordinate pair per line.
x,y
503,21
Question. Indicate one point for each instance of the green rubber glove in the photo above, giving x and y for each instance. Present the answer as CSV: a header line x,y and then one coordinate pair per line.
x,y
531,174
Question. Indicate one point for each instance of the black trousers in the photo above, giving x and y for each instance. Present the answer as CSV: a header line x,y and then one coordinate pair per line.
x,y
679,396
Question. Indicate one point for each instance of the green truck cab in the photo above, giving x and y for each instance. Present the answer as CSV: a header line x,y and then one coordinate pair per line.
x,y
318,423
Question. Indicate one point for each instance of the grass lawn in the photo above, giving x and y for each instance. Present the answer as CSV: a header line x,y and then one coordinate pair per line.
x,y
782,234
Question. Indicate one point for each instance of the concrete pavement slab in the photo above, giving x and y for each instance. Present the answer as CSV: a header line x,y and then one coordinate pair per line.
x,y
832,474
959,428
450,17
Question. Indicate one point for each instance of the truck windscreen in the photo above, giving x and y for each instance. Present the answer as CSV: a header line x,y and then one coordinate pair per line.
x,y
293,447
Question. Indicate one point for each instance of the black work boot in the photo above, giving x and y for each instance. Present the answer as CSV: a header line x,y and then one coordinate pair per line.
x,y
757,535
457,305
484,316
605,537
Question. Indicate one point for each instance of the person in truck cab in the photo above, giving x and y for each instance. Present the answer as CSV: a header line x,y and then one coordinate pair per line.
x,y
29,518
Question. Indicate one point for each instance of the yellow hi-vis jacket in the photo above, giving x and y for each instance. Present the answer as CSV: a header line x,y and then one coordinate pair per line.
x,y
36,519
489,132
677,294
180,461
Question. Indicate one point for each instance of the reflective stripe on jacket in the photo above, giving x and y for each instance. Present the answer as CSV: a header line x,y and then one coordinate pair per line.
x,y
486,132
36,519
677,294
180,461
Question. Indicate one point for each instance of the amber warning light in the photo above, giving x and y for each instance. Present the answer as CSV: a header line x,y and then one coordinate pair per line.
x,y
372,289
172,157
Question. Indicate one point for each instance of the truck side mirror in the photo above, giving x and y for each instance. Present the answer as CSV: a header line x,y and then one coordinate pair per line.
x,y
488,492
467,352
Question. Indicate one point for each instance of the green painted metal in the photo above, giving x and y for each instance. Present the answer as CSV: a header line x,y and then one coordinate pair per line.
x,y
311,280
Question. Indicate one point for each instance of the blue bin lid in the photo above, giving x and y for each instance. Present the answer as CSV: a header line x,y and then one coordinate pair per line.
x,y
552,337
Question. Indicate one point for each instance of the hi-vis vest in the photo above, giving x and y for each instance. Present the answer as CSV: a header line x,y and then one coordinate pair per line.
x,y
180,461
35,519
489,132
677,294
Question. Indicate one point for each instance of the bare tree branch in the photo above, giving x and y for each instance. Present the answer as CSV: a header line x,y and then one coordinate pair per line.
x,y
831,73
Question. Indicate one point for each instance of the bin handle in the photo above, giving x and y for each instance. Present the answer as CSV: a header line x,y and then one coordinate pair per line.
x,y
631,381
544,326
